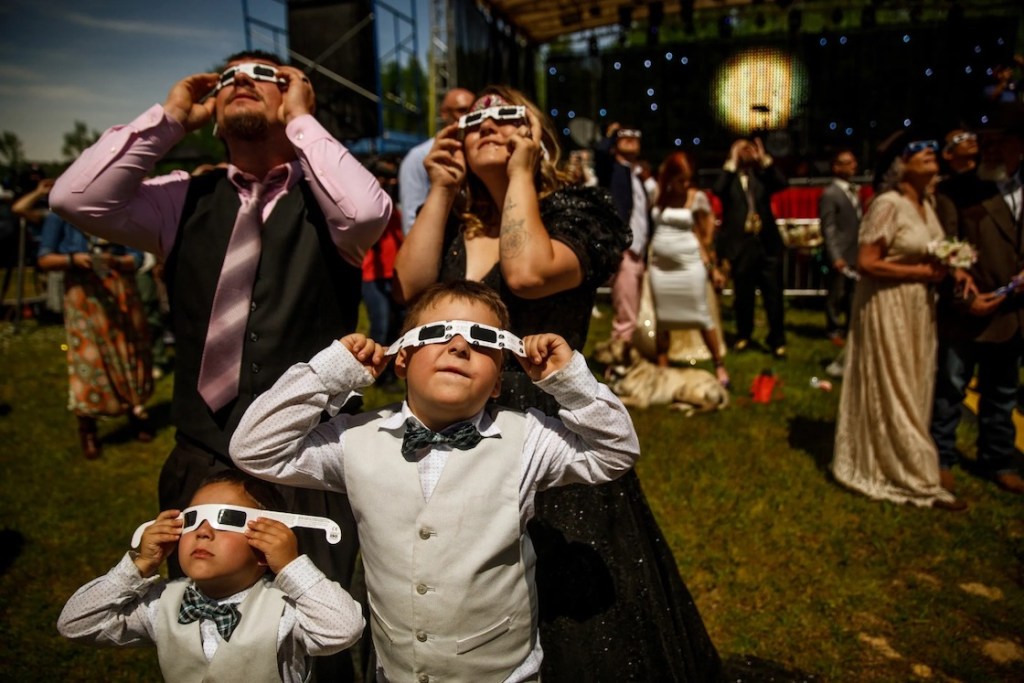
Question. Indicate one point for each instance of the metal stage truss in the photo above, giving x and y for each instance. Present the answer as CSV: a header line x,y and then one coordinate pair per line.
x,y
391,28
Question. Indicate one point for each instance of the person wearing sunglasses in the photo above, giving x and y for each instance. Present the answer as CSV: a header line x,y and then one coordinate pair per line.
x,y
960,151
261,259
749,246
617,167
883,448
413,181
500,212
250,607
981,332
443,484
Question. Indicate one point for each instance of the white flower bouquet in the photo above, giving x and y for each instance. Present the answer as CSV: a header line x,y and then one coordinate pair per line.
x,y
953,253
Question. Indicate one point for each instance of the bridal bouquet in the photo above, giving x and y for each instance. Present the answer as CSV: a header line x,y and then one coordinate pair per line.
x,y
953,253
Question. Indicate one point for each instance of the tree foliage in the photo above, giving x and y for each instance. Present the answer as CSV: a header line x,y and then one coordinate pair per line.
x,y
12,151
78,140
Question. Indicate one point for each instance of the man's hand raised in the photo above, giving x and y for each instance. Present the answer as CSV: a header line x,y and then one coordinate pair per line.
x,y
297,97
185,103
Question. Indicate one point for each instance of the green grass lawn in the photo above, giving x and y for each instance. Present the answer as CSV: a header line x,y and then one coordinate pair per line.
x,y
785,565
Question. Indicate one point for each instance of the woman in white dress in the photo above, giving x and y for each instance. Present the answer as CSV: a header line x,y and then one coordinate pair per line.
x,y
883,448
680,260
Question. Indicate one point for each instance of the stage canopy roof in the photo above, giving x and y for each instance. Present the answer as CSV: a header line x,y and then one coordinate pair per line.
x,y
542,21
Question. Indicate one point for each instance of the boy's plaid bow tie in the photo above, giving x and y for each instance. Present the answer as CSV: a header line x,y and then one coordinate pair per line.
x,y
464,437
195,606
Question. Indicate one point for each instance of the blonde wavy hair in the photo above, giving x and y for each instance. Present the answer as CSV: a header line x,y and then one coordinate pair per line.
x,y
476,209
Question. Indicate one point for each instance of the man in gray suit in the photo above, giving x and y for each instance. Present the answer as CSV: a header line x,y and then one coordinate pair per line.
x,y
840,211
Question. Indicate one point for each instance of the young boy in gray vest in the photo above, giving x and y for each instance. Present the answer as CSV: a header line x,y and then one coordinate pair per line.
x,y
443,484
227,621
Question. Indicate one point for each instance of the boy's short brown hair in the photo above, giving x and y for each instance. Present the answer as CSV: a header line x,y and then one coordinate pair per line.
x,y
465,290
266,495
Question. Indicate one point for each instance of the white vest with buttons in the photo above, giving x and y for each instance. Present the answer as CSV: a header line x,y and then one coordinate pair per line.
x,y
250,655
450,580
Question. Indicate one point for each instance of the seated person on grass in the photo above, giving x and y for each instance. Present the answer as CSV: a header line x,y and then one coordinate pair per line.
x,y
228,620
442,485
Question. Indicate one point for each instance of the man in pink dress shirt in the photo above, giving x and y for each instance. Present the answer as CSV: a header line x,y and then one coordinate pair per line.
x,y
321,211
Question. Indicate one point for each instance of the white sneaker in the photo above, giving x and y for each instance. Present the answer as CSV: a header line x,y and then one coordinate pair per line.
x,y
834,369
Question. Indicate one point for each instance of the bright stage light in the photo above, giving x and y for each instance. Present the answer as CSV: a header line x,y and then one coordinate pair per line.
x,y
759,88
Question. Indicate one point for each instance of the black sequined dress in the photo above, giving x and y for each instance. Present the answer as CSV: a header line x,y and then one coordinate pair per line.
x,y
612,604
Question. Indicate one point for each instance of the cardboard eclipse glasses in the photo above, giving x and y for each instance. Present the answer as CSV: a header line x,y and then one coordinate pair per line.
x,y
236,518
506,112
254,70
475,334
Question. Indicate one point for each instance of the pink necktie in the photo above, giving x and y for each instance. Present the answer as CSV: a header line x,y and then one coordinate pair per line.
x,y
222,353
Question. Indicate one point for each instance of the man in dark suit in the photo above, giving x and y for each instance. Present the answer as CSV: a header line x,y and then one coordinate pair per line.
x,y
749,245
979,327
840,212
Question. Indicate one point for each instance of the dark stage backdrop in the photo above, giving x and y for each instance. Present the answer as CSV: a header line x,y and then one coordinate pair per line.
x,y
487,52
314,30
860,87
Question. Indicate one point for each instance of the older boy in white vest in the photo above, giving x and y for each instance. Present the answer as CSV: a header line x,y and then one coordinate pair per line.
x,y
442,485
227,621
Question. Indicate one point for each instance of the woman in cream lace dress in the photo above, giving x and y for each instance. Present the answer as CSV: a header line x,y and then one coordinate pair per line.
x,y
883,448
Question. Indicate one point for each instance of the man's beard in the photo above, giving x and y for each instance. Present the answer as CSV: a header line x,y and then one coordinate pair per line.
x,y
248,126
995,173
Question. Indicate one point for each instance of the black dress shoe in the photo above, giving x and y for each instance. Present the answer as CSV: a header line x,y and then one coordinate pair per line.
x,y
88,437
141,426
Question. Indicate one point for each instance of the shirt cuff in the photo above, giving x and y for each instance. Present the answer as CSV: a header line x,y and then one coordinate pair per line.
x,y
305,130
339,370
298,576
125,575
729,166
766,160
573,386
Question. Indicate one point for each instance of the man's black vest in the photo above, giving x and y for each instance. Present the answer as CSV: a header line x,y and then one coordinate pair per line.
x,y
305,296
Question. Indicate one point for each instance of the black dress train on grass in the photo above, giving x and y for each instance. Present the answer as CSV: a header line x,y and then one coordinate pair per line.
x,y
612,604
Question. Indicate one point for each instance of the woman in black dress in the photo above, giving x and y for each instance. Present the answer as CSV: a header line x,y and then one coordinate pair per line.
x,y
612,604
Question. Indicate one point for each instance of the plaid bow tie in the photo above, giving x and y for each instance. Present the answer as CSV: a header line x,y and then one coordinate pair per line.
x,y
464,437
197,606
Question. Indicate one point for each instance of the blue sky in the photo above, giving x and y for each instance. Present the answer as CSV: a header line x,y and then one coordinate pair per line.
x,y
106,61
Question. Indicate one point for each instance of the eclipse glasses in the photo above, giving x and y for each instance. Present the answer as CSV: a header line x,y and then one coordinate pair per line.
x,y
505,112
475,334
916,146
960,137
236,518
255,71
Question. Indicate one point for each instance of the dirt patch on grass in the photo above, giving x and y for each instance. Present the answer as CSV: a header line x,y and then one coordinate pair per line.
x,y
1003,651
982,590
879,645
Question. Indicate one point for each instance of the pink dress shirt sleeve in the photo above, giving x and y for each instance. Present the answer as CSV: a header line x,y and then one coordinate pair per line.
x,y
356,207
105,191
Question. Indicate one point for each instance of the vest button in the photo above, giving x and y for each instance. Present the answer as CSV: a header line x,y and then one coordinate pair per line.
x,y
424,534
421,589
422,637
255,367
252,306
253,336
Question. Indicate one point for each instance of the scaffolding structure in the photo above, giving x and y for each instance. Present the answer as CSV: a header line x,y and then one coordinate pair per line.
x,y
266,28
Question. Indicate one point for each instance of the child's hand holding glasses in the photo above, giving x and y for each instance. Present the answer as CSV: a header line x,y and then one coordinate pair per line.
x,y
159,540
